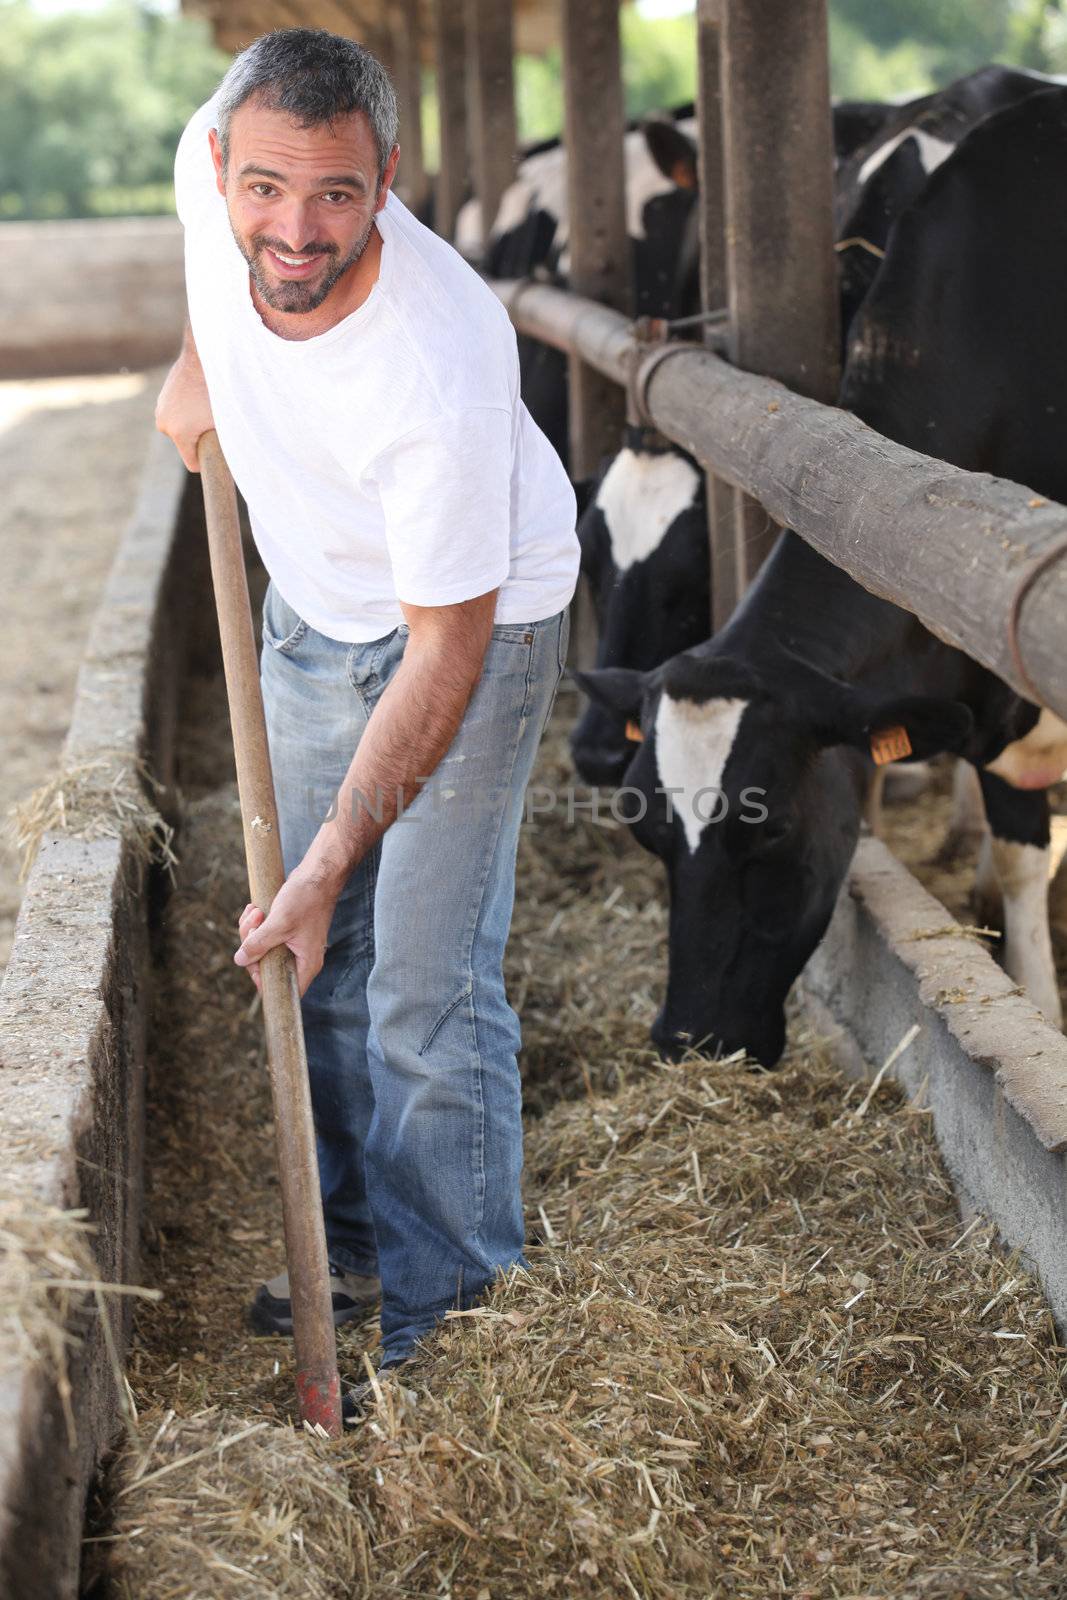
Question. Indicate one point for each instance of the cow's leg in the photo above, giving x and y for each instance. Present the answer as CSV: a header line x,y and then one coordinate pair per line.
x,y
1057,896
872,803
906,780
967,830
894,785
987,896
1019,824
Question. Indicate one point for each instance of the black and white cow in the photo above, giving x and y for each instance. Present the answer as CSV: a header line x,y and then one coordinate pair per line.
x,y
748,780
530,238
648,506
888,170
645,556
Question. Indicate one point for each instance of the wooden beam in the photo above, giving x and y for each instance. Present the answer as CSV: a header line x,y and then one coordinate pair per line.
x,y
778,154
904,525
339,16
725,586
453,169
491,95
411,173
594,130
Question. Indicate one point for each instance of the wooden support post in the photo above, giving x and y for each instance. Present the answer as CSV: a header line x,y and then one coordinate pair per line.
x,y
594,129
407,42
778,157
454,165
381,42
491,94
725,591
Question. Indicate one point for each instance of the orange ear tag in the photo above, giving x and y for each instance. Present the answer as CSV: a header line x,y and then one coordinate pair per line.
x,y
892,744
634,732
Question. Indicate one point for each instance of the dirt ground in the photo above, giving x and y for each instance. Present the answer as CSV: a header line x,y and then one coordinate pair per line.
x,y
71,454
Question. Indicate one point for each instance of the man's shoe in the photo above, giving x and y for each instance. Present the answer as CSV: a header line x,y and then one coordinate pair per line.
x,y
354,1296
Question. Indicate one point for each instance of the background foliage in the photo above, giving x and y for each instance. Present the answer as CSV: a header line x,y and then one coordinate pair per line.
x,y
92,102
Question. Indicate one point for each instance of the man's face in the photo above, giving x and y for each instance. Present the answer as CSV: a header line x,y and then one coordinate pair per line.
x,y
301,201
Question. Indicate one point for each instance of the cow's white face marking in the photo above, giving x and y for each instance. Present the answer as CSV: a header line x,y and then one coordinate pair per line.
x,y
693,744
932,151
640,497
1022,870
1038,760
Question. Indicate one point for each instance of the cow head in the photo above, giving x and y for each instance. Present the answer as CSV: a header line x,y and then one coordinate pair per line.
x,y
644,554
665,237
747,784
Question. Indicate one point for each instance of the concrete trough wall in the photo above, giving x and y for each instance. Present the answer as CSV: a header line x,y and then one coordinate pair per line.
x,y
73,1009
89,296
991,1070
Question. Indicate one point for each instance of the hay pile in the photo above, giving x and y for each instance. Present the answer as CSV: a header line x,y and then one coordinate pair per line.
x,y
588,943
50,1293
257,1509
47,1274
757,1352
111,797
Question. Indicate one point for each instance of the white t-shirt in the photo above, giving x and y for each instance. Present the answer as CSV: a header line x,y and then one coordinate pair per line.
x,y
391,457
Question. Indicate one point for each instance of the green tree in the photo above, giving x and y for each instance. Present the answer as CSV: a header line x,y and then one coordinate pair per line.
x,y
885,47
92,105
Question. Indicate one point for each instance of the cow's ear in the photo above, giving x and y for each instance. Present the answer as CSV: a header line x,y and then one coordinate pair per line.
x,y
911,727
618,688
673,151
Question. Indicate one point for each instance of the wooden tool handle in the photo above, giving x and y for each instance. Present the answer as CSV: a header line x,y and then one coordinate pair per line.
x,y
318,1388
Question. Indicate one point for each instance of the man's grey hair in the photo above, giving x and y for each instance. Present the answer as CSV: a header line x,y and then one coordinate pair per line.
x,y
316,77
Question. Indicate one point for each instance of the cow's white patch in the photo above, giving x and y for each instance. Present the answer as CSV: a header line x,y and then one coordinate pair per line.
x,y
1038,760
1022,870
932,151
693,744
515,205
640,496
540,185
467,234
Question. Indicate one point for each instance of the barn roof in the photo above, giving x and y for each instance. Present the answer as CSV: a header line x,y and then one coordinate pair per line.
x,y
236,22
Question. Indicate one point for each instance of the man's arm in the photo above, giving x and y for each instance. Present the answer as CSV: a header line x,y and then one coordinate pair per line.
x,y
409,731
183,410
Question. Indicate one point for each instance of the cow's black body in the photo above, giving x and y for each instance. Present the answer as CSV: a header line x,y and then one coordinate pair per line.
x,y
959,351
867,202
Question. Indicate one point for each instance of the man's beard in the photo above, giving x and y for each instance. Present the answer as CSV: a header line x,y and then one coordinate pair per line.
x,y
294,296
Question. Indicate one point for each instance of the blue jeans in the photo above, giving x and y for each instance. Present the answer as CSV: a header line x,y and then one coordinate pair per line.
x,y
411,1042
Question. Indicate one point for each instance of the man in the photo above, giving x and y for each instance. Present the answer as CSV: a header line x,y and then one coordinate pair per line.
x,y
419,535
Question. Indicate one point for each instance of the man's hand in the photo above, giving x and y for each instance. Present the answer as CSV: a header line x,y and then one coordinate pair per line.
x,y
299,918
183,410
